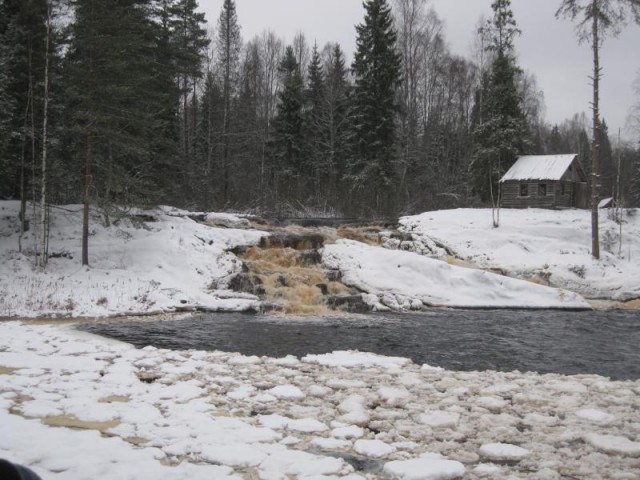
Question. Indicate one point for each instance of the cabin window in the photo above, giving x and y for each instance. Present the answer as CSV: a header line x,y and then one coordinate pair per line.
x,y
542,189
562,188
524,190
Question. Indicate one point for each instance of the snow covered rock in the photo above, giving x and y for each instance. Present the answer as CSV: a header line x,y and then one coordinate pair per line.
x,y
391,275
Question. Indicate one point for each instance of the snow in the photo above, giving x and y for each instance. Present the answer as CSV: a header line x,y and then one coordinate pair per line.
x,y
544,245
426,468
184,424
399,277
168,264
539,167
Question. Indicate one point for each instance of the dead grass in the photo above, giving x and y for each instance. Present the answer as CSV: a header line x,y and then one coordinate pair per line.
x,y
368,235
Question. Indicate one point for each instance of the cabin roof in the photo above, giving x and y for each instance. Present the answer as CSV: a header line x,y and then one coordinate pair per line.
x,y
539,167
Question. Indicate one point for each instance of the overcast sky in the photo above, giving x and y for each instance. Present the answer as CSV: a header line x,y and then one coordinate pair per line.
x,y
548,47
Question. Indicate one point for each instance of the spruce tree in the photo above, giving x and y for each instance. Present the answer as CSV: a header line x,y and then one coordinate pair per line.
x,y
110,67
190,41
313,114
376,68
229,46
500,134
336,119
288,124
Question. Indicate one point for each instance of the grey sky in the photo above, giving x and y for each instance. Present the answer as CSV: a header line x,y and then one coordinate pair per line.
x,y
548,47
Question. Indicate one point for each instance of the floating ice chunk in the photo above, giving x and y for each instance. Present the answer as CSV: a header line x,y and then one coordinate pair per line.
x,y
284,392
428,467
493,404
486,470
393,397
345,384
319,391
613,444
264,398
330,443
355,410
233,455
430,368
307,425
500,452
595,416
347,432
289,361
373,448
277,422
439,419
356,359
301,464
241,393
500,389
242,360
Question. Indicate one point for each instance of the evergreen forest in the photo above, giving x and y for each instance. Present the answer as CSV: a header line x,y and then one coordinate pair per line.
x,y
133,103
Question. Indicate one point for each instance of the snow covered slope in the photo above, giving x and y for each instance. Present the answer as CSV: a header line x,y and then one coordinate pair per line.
x,y
172,262
406,280
546,243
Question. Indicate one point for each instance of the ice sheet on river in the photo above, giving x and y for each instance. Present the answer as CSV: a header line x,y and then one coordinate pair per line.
x,y
407,280
203,415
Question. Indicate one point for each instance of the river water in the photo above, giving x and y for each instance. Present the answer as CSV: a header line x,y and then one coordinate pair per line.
x,y
603,343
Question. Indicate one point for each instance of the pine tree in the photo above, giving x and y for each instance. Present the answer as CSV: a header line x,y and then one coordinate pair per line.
x,y
597,18
229,47
376,67
500,134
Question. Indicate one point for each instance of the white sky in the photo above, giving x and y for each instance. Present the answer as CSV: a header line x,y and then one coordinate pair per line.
x,y
548,47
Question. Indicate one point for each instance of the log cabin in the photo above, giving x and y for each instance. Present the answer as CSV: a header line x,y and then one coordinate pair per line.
x,y
545,181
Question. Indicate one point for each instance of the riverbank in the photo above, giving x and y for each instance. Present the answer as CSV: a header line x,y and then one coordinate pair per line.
x,y
74,406
168,260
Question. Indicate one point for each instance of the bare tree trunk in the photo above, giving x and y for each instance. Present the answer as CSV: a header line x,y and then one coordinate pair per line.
x,y
23,193
45,125
85,210
595,159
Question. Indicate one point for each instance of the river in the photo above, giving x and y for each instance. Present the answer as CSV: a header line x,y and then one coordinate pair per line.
x,y
603,343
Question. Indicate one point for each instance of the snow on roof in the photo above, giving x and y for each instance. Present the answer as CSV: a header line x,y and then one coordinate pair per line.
x,y
539,167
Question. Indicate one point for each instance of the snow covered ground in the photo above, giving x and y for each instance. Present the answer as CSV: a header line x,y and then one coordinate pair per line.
x,y
170,262
547,244
403,280
150,414
163,265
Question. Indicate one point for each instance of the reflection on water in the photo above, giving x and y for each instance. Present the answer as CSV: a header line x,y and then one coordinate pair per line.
x,y
604,343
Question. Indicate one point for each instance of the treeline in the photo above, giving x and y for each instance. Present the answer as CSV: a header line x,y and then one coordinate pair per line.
x,y
135,102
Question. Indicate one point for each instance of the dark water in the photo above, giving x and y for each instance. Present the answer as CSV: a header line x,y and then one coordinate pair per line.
x,y
604,343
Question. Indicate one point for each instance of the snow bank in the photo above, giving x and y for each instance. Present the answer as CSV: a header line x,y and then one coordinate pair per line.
x,y
554,246
166,263
400,278
168,414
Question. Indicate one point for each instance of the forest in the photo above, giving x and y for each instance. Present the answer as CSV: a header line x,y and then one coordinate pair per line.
x,y
133,103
